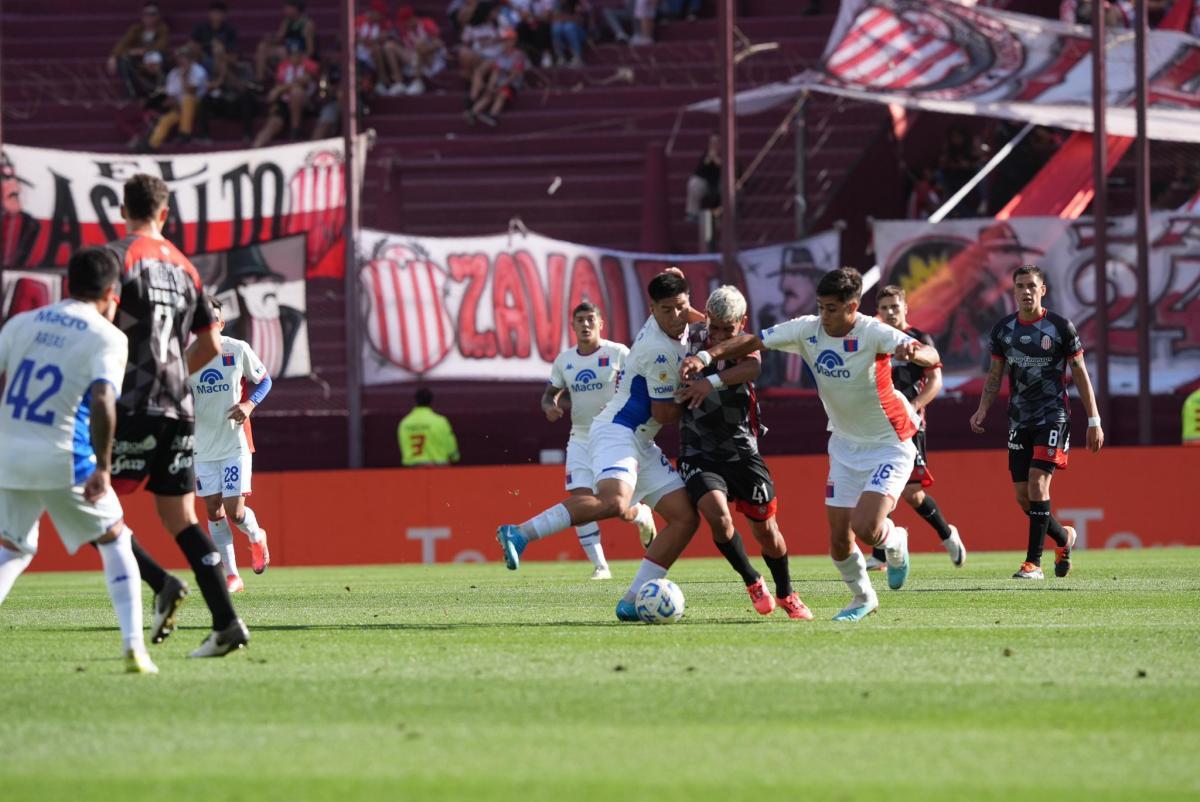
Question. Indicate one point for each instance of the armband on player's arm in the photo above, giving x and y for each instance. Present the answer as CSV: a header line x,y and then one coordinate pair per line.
x,y
261,390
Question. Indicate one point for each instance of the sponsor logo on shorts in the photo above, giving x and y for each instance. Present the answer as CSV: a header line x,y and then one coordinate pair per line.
x,y
122,464
830,364
181,462
135,447
664,390
184,442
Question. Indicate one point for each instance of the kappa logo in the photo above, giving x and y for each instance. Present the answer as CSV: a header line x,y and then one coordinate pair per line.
x,y
812,340
830,363
212,381
661,359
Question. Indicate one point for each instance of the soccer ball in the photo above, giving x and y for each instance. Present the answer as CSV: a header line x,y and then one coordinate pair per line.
x,y
660,601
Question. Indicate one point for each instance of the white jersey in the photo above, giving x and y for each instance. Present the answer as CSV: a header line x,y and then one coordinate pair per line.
x,y
591,380
651,373
50,358
854,376
218,386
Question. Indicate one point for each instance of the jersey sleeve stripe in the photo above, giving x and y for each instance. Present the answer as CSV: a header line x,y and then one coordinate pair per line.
x,y
890,401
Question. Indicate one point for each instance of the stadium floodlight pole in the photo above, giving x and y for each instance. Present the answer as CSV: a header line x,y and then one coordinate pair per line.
x,y
728,68
1142,145
354,422
1100,205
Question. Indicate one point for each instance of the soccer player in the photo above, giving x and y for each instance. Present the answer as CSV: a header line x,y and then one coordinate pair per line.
x,y
587,376
224,449
920,385
871,453
627,465
63,365
1037,346
161,305
719,459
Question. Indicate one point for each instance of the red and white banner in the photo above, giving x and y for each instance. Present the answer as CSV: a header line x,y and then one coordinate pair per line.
x,y
498,307
958,278
55,201
963,59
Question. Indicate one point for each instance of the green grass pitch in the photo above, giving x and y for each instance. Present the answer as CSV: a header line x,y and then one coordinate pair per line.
x,y
467,682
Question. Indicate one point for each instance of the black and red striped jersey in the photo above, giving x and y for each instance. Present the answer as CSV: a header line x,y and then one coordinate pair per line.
x,y
162,303
1037,353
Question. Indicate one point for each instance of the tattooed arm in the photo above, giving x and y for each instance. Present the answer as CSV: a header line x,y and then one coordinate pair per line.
x,y
990,390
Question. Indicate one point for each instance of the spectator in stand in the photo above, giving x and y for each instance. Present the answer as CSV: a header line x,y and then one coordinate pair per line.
x,y
217,39
685,9
329,97
503,77
417,45
137,121
149,35
291,97
924,199
231,95
295,27
644,12
532,20
186,85
1118,13
704,184
373,30
957,165
569,31
481,39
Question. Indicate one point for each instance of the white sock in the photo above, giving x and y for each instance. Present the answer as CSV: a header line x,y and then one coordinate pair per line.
x,y
646,571
222,536
643,515
546,523
12,563
124,588
589,538
249,525
854,573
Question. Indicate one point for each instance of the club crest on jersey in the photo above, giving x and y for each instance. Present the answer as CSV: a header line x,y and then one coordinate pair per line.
x,y
830,364
585,381
227,360
850,345
1047,343
212,381
603,361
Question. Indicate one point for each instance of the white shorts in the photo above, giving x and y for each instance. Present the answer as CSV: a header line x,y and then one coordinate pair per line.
x,y
228,477
579,466
78,521
857,468
616,453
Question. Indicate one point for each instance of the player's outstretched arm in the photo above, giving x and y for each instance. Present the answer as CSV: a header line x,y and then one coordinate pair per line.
x,y
1083,383
919,353
103,425
550,407
991,388
733,348
694,392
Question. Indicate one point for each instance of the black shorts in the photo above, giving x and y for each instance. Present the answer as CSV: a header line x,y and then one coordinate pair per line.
x,y
920,473
748,483
155,447
1042,447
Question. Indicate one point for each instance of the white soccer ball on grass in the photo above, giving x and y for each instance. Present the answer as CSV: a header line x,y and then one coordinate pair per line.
x,y
659,601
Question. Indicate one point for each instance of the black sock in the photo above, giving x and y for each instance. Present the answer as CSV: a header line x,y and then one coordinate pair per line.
x,y
735,553
202,555
879,554
152,573
1039,522
930,512
1057,533
780,573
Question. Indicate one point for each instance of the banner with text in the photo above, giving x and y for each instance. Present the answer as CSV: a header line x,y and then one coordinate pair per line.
x,y
498,307
57,200
961,59
958,277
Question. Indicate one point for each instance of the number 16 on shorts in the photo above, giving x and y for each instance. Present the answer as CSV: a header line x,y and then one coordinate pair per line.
x,y
228,478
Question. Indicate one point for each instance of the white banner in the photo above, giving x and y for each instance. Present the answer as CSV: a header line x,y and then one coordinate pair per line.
x,y
948,57
56,201
958,277
498,307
